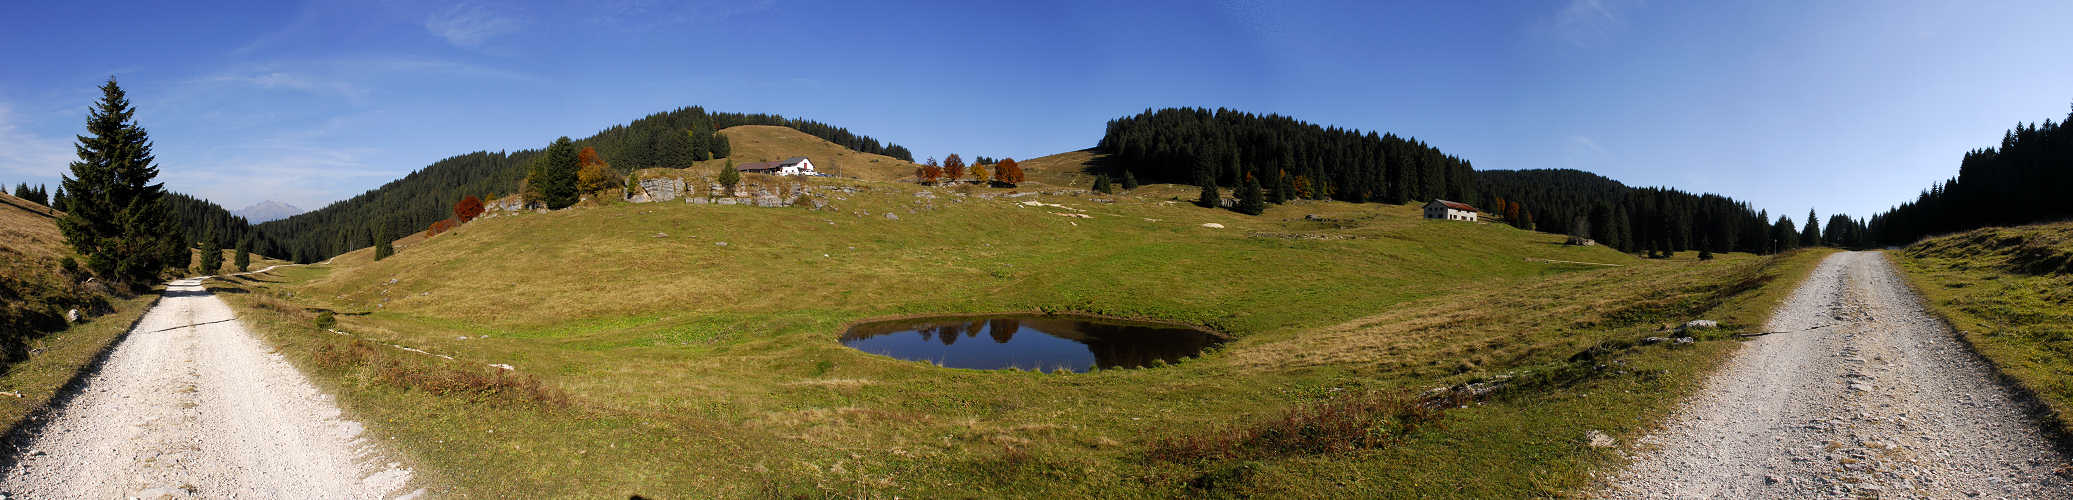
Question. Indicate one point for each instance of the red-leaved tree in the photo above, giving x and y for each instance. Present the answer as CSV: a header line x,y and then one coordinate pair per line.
x,y
1007,172
954,167
467,209
440,227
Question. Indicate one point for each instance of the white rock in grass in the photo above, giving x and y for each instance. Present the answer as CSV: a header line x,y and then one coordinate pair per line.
x,y
1599,439
1212,225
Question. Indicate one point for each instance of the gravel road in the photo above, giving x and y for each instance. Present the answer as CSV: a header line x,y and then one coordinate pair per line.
x,y
190,404
1864,395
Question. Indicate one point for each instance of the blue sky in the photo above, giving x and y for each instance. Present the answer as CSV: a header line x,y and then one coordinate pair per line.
x,y
1838,106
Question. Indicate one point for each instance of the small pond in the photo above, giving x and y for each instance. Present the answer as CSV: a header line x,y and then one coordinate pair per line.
x,y
1029,342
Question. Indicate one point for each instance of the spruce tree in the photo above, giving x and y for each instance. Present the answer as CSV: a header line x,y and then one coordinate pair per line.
x,y
1129,180
1101,184
700,151
1210,197
556,172
211,256
382,247
57,200
720,147
1811,236
730,177
1251,201
1276,193
244,256
116,216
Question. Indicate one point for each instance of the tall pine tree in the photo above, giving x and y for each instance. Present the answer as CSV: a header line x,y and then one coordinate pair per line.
x,y
244,256
1811,236
554,174
211,256
117,215
1210,198
1251,201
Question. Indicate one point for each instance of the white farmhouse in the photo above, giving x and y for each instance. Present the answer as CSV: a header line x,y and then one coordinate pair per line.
x,y
797,165
1450,210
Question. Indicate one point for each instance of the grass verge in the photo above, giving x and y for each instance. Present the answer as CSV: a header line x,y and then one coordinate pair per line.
x,y
2009,294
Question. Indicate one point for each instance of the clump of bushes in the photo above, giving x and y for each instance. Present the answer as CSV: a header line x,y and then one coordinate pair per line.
x,y
1366,420
380,365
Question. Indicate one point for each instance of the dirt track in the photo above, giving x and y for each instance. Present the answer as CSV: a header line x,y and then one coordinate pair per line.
x,y
190,404
1865,395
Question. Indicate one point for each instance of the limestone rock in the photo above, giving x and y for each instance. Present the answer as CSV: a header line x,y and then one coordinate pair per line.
x,y
1599,439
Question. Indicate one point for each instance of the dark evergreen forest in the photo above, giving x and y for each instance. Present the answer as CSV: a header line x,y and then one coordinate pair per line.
x,y
1302,160
414,202
2027,179
1650,220
1223,147
202,222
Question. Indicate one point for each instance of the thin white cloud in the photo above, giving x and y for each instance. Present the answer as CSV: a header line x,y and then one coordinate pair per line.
x,y
24,153
1587,143
283,169
1586,23
641,15
283,80
470,25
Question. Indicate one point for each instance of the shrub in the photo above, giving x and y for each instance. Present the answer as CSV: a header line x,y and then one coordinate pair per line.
x,y
325,320
442,226
467,209
1354,422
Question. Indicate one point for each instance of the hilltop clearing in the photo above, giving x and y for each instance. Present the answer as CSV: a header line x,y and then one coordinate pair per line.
x,y
672,139
754,143
675,347
2009,293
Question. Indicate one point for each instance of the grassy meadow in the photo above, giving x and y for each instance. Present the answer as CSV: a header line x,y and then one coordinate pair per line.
x,y
671,349
2009,293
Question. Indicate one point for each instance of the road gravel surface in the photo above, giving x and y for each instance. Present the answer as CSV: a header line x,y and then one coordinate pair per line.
x,y
192,405
1863,394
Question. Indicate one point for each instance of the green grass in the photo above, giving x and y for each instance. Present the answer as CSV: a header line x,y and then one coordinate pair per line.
x,y
696,368
2009,292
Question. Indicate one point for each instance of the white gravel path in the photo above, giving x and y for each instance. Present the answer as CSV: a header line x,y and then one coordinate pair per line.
x,y
191,405
1865,396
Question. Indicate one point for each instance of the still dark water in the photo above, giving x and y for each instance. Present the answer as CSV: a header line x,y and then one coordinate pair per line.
x,y
1028,342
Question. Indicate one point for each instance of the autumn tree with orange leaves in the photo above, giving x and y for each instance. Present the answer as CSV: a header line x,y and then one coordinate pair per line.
x,y
929,173
592,173
954,167
467,209
1007,172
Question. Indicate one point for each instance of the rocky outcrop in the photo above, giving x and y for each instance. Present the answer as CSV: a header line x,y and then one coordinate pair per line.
x,y
660,189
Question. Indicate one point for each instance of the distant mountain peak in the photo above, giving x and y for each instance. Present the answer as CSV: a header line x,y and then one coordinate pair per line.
x,y
266,211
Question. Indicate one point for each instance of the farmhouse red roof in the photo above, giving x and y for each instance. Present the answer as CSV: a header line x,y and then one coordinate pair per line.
x,y
1456,205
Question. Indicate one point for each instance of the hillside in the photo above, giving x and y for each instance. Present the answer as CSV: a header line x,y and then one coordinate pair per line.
x,y
754,143
2009,292
35,292
410,204
669,335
